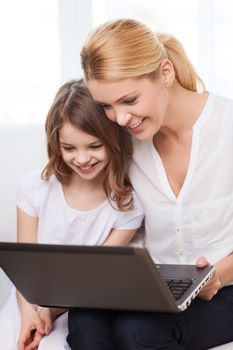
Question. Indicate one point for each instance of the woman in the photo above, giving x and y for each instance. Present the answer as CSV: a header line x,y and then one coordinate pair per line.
x,y
182,172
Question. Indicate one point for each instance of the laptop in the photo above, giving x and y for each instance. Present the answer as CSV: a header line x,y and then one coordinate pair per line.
x,y
117,278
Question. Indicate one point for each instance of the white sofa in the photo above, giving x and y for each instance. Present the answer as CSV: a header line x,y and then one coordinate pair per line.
x,y
22,150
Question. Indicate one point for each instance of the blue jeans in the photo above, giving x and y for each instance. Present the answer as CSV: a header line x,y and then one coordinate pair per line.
x,y
203,325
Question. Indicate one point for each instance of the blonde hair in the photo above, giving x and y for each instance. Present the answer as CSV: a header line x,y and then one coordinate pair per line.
x,y
126,48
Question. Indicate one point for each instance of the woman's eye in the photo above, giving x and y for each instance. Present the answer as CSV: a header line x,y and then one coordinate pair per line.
x,y
104,106
131,101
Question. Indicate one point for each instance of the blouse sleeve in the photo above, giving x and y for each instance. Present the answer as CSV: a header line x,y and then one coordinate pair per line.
x,y
131,219
28,193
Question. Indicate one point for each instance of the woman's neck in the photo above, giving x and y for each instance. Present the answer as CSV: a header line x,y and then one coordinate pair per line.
x,y
183,110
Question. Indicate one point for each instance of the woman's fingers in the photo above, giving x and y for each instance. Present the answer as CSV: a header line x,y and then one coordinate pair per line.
x,y
202,262
211,288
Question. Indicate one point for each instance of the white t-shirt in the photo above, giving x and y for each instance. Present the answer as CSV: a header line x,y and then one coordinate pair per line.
x,y
61,224
200,221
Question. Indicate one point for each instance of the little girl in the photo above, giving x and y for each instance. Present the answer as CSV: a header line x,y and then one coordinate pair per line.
x,y
83,197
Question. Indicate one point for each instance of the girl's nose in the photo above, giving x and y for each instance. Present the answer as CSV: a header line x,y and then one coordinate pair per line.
x,y
123,118
82,157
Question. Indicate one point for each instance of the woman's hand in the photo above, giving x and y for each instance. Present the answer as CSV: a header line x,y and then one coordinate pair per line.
x,y
32,330
213,285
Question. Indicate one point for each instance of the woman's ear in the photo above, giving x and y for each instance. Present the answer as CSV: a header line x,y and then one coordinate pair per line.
x,y
167,72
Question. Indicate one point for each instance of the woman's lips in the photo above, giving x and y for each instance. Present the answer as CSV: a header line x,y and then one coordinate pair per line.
x,y
137,126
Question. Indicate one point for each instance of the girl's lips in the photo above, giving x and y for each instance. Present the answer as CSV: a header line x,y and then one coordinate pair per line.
x,y
86,169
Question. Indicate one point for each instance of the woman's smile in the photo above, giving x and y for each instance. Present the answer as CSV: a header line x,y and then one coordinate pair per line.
x,y
137,127
138,104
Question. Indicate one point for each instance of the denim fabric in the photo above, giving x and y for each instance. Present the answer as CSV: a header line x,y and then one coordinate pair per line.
x,y
203,325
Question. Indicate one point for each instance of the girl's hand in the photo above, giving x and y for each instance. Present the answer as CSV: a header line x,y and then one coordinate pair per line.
x,y
32,330
213,285
47,317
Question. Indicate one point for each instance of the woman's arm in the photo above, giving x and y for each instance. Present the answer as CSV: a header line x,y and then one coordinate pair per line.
x,y
119,237
222,276
225,270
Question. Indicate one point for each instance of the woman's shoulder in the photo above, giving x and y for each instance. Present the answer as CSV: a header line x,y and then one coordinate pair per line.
x,y
221,108
222,102
221,98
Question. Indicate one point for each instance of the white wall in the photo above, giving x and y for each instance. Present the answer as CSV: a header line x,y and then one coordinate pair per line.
x,y
22,149
75,22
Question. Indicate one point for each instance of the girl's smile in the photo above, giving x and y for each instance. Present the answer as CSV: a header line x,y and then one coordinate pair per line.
x,y
86,169
83,153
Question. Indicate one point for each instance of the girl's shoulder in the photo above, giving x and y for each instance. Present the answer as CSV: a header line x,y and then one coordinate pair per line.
x,y
35,183
132,218
34,178
136,210
33,191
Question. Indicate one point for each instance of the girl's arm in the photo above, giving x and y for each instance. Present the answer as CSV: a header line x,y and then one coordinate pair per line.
x,y
119,237
35,322
26,227
32,328
116,237
48,315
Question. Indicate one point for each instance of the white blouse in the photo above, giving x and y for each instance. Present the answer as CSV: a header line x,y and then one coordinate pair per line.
x,y
199,222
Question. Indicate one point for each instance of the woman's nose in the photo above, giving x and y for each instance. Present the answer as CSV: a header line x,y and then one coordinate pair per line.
x,y
123,118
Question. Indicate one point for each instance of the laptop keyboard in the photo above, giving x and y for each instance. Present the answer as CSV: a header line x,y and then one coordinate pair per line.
x,y
178,286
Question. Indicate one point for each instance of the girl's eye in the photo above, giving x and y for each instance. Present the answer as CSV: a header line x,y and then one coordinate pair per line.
x,y
68,149
96,146
131,101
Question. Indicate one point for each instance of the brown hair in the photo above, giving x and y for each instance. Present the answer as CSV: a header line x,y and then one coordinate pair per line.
x,y
74,104
126,48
